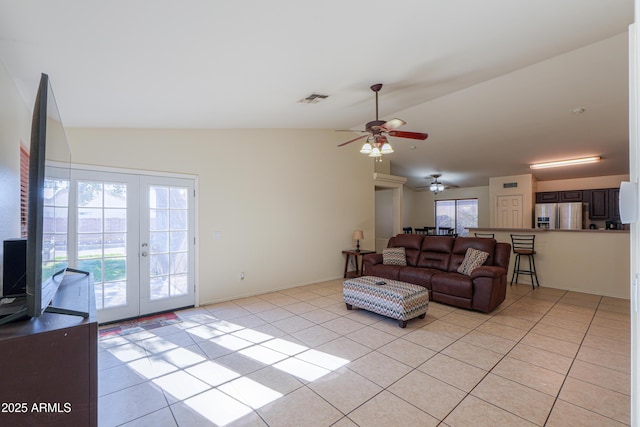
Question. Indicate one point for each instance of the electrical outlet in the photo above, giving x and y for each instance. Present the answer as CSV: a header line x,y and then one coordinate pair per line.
x,y
242,275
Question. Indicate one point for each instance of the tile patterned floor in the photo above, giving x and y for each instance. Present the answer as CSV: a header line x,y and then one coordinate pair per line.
x,y
298,358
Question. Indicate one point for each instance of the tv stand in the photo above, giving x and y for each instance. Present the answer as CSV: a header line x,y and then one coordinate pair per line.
x,y
50,363
62,310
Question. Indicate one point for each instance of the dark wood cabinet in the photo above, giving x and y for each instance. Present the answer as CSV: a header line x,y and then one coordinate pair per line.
x,y
603,202
50,363
614,207
599,204
547,197
571,196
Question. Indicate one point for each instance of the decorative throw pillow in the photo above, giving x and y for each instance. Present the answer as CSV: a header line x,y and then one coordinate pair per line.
x,y
473,259
394,256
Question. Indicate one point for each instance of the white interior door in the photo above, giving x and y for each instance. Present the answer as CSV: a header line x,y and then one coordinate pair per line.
x,y
509,211
167,243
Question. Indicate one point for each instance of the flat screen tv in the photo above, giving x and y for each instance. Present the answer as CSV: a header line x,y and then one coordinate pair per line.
x,y
47,223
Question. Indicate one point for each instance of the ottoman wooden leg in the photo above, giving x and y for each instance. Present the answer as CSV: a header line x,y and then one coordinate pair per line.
x,y
422,316
402,323
349,306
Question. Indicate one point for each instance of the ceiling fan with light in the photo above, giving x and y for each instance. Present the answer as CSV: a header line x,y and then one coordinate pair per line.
x,y
376,132
435,186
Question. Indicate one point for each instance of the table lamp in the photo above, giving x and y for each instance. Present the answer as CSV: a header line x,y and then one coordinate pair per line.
x,y
357,236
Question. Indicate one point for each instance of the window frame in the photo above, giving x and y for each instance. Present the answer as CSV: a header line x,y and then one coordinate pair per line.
x,y
463,231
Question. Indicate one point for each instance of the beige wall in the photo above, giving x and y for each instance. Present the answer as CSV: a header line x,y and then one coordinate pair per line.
x,y
526,186
610,181
15,127
286,202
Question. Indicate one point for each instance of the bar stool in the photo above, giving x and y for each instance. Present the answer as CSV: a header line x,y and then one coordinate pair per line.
x,y
524,244
485,235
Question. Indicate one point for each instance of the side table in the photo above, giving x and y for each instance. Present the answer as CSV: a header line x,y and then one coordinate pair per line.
x,y
356,254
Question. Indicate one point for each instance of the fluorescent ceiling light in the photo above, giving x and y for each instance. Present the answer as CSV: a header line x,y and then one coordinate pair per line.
x,y
570,162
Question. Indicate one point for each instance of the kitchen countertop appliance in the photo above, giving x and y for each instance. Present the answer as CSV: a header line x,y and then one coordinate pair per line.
x,y
562,216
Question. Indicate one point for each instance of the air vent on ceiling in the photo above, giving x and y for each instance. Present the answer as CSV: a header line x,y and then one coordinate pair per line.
x,y
314,98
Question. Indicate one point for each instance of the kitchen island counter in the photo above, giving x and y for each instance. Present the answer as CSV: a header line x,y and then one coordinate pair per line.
x,y
591,261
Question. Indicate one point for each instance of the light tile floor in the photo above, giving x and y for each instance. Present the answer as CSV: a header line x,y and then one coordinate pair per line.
x,y
298,357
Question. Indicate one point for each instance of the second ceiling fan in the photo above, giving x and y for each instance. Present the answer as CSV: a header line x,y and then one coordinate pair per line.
x,y
377,130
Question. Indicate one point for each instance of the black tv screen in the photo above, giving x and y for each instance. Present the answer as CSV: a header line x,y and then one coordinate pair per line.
x,y
47,220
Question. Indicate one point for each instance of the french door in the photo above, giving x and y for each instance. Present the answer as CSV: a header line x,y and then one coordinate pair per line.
x,y
135,233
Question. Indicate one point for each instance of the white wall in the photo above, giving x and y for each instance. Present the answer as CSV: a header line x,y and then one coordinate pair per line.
x,y
285,201
15,121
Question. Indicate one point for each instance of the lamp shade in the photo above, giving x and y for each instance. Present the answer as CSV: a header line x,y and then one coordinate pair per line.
x,y
386,148
366,148
358,235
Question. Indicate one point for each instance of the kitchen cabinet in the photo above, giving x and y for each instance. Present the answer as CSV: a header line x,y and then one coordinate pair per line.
x,y
548,197
599,203
560,196
614,207
570,196
603,202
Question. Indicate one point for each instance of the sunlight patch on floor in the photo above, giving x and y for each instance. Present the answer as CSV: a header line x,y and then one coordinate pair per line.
x,y
209,389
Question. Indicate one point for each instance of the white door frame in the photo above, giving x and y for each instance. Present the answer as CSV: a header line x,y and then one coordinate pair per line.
x,y
94,168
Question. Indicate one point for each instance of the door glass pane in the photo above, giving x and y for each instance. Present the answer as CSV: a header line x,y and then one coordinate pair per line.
x,y
179,241
179,284
55,213
159,242
115,220
115,195
168,250
159,219
102,239
179,198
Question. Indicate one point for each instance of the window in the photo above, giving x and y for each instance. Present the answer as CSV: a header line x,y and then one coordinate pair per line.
x,y
459,214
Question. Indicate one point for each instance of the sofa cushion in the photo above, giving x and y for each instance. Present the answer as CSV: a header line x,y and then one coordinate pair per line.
x,y
417,275
472,260
394,256
454,284
411,243
435,252
463,243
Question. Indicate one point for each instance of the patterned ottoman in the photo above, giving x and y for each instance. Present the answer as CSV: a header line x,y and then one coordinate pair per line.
x,y
395,299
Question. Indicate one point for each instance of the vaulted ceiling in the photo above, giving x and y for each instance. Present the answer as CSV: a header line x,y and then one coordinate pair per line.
x,y
493,82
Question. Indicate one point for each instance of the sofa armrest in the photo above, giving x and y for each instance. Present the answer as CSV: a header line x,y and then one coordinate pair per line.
x,y
502,255
372,259
490,271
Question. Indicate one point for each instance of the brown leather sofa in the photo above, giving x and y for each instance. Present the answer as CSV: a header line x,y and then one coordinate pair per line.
x,y
433,261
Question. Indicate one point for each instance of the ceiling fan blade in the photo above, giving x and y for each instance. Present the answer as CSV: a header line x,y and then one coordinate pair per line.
x,y
410,135
352,140
393,124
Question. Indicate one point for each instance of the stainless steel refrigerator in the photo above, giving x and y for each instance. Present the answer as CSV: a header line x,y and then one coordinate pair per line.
x,y
564,216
